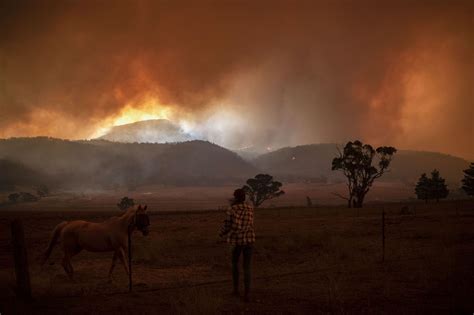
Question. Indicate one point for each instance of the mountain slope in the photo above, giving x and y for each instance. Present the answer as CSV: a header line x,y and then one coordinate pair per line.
x,y
314,162
304,162
14,174
408,165
104,164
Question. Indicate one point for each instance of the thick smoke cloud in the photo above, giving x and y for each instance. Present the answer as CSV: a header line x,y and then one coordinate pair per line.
x,y
245,73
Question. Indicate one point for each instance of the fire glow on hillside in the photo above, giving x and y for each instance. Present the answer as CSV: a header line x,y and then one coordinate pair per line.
x,y
218,125
147,108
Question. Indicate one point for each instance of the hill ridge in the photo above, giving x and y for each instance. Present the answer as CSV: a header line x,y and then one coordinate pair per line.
x,y
314,161
106,164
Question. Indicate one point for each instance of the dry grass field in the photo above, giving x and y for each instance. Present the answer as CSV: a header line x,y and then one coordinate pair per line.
x,y
306,260
186,198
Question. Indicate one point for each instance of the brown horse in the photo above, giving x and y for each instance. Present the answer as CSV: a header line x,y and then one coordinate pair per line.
x,y
110,235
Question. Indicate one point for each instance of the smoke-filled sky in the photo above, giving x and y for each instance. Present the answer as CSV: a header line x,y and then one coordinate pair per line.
x,y
243,73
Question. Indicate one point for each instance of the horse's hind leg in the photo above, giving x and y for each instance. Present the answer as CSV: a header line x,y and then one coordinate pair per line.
x,y
74,252
66,263
114,259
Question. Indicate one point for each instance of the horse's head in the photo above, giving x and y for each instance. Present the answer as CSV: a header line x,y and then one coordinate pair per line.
x,y
142,221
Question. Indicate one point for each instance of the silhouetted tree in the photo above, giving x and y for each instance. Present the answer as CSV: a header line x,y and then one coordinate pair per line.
x,y
22,196
355,161
262,187
468,180
439,190
422,188
125,203
42,191
14,197
27,197
431,188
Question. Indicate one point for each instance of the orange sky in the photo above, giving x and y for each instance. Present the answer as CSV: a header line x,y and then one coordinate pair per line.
x,y
266,73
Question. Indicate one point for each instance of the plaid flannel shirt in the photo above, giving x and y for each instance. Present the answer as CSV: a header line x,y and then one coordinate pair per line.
x,y
238,225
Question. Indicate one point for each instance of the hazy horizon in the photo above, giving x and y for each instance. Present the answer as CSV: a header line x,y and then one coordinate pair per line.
x,y
258,150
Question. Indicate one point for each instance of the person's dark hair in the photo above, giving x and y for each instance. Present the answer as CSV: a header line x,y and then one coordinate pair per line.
x,y
239,196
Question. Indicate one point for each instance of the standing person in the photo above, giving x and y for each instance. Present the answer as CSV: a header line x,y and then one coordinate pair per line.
x,y
238,229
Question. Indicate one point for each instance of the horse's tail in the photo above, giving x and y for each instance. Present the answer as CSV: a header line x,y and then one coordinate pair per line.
x,y
54,239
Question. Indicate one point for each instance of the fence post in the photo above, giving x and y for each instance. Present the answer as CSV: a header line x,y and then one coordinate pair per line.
x,y
130,231
21,261
383,234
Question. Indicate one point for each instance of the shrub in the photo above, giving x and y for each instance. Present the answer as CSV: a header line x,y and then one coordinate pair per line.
x,y
125,203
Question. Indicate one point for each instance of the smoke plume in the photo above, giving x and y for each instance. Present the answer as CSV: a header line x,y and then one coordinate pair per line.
x,y
244,73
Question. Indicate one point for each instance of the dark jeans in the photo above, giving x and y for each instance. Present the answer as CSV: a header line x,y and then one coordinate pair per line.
x,y
247,250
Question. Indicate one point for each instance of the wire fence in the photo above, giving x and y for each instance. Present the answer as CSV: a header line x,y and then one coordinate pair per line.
x,y
389,214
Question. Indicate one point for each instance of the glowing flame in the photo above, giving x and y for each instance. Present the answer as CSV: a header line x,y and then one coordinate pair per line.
x,y
145,109
130,114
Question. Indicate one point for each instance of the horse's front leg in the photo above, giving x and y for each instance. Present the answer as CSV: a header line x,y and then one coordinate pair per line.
x,y
114,259
123,258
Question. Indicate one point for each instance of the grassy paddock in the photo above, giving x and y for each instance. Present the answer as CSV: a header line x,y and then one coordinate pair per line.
x,y
314,260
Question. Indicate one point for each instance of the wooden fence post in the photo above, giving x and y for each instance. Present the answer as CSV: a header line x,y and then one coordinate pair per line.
x,y
383,234
21,261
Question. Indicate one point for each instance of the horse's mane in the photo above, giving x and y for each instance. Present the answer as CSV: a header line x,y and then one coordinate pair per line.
x,y
116,217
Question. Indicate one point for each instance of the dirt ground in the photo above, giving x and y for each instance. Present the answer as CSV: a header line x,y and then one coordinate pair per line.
x,y
306,260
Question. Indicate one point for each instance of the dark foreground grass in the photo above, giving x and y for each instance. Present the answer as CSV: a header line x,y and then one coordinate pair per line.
x,y
306,260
